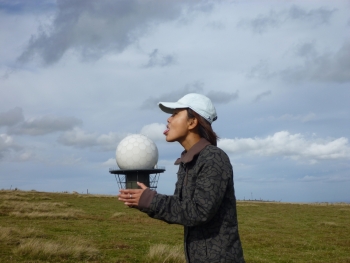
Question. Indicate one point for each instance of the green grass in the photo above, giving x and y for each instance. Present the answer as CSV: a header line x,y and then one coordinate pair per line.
x,y
63,227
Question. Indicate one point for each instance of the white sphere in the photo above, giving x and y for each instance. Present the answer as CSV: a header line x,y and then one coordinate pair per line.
x,y
136,151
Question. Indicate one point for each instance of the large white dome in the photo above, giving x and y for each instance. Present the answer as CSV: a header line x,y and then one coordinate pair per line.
x,y
136,151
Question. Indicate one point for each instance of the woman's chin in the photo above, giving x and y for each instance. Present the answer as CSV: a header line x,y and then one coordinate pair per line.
x,y
169,139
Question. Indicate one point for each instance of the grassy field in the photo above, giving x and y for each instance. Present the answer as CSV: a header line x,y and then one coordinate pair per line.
x,y
64,227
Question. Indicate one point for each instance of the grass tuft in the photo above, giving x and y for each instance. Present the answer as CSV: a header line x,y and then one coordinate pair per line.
x,y
6,233
30,206
331,224
12,197
13,235
165,253
118,214
69,214
48,249
40,210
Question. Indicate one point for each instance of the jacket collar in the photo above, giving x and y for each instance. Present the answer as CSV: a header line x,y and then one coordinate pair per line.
x,y
187,157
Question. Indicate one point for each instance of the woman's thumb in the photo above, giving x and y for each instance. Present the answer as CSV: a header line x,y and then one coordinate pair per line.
x,y
141,185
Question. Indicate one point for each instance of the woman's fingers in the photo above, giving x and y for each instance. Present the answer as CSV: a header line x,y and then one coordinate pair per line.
x,y
125,193
130,191
131,197
127,196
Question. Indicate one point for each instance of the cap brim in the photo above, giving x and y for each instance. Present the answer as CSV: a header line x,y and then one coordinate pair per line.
x,y
169,107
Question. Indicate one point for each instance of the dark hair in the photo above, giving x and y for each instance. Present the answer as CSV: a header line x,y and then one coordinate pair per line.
x,y
204,127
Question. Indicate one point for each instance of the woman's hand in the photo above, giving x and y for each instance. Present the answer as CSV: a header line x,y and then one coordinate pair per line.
x,y
131,197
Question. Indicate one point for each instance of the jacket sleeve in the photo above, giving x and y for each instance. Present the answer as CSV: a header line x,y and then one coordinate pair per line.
x,y
214,175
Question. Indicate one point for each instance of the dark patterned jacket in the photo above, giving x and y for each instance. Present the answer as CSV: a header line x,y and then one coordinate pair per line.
x,y
204,202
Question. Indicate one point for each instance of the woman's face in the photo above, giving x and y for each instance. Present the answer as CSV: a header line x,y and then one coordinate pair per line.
x,y
178,126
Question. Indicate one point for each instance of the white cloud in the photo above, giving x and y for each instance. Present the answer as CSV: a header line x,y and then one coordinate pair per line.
x,y
6,142
222,97
326,67
111,162
44,125
216,96
154,131
24,156
79,138
16,123
294,146
94,29
311,65
274,19
152,101
8,146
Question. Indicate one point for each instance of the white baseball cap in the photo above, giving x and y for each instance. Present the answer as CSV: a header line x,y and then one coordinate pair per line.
x,y
197,102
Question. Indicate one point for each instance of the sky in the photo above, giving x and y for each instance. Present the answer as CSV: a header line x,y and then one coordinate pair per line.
x,y
78,76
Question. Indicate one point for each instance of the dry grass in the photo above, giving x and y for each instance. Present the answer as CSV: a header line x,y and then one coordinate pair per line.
x,y
47,249
68,214
22,195
6,233
118,214
14,234
247,204
13,197
33,244
165,253
30,206
95,196
40,210
332,224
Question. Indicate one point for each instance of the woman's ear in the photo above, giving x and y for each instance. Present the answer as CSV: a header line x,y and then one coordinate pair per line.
x,y
193,122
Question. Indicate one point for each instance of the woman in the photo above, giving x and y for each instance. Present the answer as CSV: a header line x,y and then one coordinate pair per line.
x,y
204,200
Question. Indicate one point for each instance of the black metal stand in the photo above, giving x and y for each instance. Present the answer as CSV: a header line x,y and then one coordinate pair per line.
x,y
127,179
